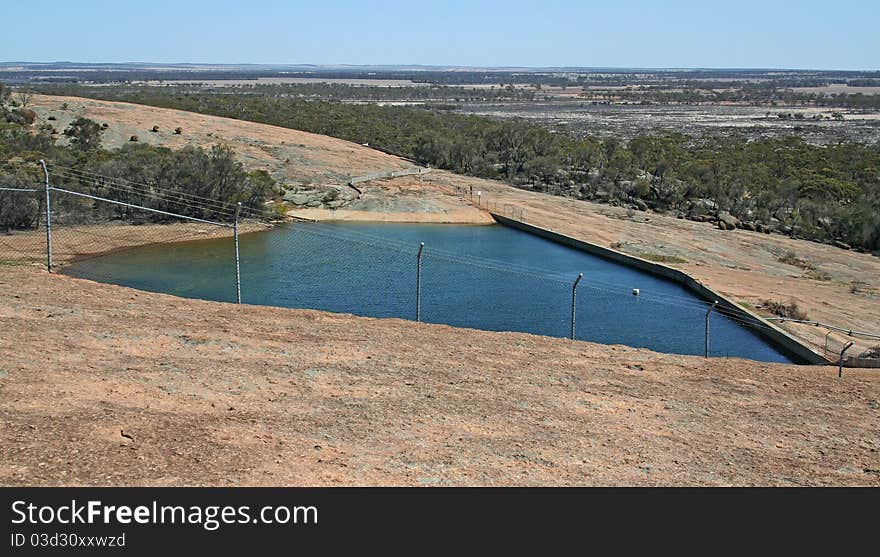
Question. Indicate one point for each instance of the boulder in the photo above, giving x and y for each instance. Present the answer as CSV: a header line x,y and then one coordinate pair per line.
x,y
749,226
729,220
703,206
347,194
298,198
640,205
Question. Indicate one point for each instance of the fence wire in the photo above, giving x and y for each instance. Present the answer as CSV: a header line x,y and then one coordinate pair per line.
x,y
159,239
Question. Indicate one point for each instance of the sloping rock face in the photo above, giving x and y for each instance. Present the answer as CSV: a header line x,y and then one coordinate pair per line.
x,y
325,197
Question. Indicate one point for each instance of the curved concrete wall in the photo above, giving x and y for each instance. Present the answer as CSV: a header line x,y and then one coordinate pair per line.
x,y
773,334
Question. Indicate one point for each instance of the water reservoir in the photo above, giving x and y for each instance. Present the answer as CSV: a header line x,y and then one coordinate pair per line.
x,y
486,277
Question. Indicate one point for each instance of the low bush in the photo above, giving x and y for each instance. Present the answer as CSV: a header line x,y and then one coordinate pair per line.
x,y
788,311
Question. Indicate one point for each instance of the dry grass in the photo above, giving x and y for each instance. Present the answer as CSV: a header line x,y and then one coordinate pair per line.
x,y
791,258
789,310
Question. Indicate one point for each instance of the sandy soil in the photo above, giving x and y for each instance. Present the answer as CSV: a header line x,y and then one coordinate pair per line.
x,y
104,385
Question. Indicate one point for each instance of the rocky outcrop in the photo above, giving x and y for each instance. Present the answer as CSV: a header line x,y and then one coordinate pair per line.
x,y
332,196
726,221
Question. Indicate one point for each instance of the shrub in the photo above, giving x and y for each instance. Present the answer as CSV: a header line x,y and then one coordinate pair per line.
x,y
791,258
788,311
85,134
22,116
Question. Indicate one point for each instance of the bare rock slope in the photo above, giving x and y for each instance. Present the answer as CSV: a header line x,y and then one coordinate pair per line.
x,y
269,396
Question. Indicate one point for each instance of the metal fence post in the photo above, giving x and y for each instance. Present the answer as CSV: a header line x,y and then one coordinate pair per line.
x,y
237,265
840,363
574,288
48,219
419,282
708,312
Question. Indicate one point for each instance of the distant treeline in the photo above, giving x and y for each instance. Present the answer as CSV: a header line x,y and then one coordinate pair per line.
x,y
139,174
827,193
747,94
127,73
318,91
640,90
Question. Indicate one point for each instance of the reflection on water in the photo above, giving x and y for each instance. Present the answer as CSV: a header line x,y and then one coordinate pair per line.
x,y
486,277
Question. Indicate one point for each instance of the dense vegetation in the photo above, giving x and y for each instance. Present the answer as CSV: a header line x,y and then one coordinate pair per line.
x,y
317,91
829,193
166,179
754,94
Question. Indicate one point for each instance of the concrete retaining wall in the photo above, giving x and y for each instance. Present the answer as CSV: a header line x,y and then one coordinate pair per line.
x,y
776,336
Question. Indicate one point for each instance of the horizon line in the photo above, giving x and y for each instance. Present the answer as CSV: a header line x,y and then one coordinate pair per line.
x,y
448,66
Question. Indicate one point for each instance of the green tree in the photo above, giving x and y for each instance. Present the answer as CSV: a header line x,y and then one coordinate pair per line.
x,y
85,134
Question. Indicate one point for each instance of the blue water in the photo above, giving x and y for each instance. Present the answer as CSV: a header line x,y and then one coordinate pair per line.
x,y
487,277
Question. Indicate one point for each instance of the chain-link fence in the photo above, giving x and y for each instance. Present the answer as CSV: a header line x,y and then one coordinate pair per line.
x,y
138,235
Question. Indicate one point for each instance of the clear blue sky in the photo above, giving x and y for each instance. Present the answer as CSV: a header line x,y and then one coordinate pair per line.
x,y
843,34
